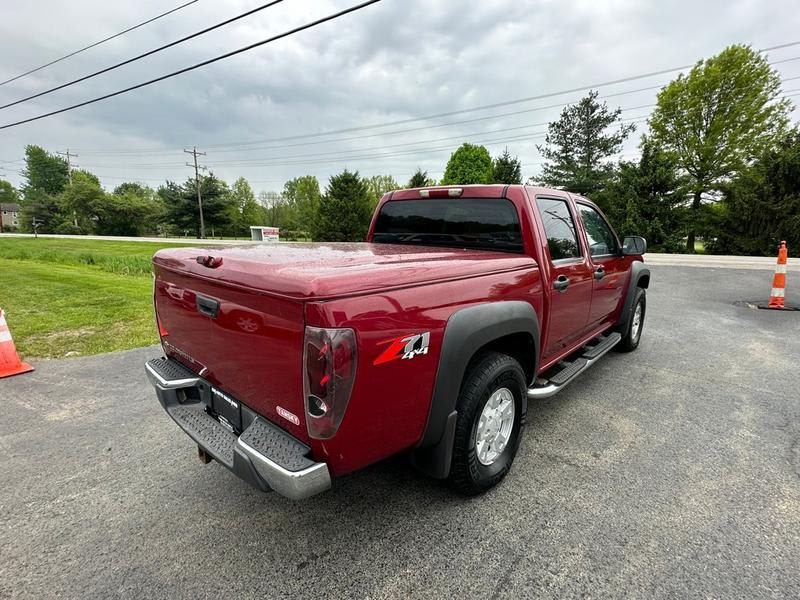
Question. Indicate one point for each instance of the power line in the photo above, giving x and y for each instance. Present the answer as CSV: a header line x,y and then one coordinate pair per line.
x,y
470,135
510,102
111,37
260,161
143,55
198,65
234,146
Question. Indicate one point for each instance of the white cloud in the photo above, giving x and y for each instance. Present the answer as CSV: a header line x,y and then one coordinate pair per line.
x,y
394,60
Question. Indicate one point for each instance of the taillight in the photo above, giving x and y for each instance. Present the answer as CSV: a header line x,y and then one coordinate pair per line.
x,y
442,193
330,368
162,331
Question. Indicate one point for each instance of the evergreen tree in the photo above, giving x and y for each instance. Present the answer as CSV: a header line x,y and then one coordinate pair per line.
x,y
761,206
344,210
507,169
420,179
578,145
645,199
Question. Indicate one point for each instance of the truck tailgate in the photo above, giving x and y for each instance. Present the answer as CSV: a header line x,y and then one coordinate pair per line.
x,y
247,344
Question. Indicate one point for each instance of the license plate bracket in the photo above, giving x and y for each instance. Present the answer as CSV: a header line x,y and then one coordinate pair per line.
x,y
227,407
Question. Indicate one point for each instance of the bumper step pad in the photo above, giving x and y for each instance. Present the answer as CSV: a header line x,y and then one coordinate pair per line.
x,y
206,431
170,374
277,445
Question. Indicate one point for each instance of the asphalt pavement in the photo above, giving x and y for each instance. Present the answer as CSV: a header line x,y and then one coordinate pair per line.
x,y
671,472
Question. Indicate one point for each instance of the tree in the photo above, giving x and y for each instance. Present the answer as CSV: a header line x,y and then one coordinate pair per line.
x,y
182,210
378,185
507,169
344,210
420,179
578,145
132,209
46,175
644,198
302,196
717,119
245,209
8,193
761,206
468,164
81,205
44,172
275,208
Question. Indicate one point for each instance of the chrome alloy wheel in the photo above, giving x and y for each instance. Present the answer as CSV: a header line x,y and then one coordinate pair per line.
x,y
636,326
494,426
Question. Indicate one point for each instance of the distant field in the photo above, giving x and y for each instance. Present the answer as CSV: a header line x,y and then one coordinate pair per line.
x,y
66,297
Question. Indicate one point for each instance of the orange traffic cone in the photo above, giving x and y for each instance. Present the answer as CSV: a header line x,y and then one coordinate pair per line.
x,y
778,293
10,364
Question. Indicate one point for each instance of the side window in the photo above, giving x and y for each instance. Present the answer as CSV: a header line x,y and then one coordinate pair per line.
x,y
601,238
559,227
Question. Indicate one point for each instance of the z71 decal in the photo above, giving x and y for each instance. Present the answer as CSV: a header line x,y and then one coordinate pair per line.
x,y
405,347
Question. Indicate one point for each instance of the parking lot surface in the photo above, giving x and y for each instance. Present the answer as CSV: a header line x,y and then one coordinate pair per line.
x,y
670,472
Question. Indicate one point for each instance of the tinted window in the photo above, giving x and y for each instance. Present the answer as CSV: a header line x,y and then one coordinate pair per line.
x,y
559,227
601,238
455,222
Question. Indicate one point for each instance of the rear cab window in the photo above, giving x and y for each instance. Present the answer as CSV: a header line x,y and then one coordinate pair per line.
x,y
478,223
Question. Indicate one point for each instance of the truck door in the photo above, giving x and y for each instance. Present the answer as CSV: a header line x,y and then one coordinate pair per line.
x,y
570,273
609,268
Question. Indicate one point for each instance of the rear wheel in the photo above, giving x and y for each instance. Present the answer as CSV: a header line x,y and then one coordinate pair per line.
x,y
491,413
631,336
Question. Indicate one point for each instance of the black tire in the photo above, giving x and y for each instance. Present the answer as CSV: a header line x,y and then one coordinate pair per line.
x,y
487,373
630,340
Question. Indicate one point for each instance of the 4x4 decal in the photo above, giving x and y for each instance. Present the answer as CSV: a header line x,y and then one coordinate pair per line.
x,y
405,347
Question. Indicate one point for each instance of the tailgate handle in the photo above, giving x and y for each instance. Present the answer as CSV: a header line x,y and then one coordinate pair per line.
x,y
207,306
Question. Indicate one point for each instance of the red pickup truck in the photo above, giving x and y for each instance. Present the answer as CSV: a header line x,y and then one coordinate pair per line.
x,y
291,364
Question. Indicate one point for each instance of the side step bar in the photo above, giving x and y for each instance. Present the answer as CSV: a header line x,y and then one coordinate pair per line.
x,y
590,355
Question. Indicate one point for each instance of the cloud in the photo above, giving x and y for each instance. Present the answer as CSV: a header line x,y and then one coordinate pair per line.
x,y
395,60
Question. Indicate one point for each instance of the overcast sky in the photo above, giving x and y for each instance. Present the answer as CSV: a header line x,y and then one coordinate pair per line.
x,y
398,59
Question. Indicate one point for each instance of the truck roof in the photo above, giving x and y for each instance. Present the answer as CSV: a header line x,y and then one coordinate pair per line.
x,y
489,190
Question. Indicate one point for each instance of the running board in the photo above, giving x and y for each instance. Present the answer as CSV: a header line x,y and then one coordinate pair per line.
x,y
589,356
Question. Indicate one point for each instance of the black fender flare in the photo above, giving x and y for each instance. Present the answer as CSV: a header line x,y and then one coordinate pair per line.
x,y
467,331
640,274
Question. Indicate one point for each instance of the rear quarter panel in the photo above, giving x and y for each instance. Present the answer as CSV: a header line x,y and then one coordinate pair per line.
x,y
388,409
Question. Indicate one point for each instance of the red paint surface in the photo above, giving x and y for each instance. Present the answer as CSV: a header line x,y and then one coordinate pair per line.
x,y
268,293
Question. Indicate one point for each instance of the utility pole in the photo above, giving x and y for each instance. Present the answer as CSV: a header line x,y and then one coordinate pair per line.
x,y
197,168
2,170
69,156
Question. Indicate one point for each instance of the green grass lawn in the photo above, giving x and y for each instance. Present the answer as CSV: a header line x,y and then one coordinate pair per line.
x,y
123,258
66,297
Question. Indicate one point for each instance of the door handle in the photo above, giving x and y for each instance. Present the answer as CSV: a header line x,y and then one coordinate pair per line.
x,y
561,283
599,273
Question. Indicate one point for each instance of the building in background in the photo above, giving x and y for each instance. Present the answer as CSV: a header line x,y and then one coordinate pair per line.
x,y
264,234
9,215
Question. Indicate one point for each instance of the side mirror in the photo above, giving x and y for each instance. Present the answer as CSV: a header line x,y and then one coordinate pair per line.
x,y
634,245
